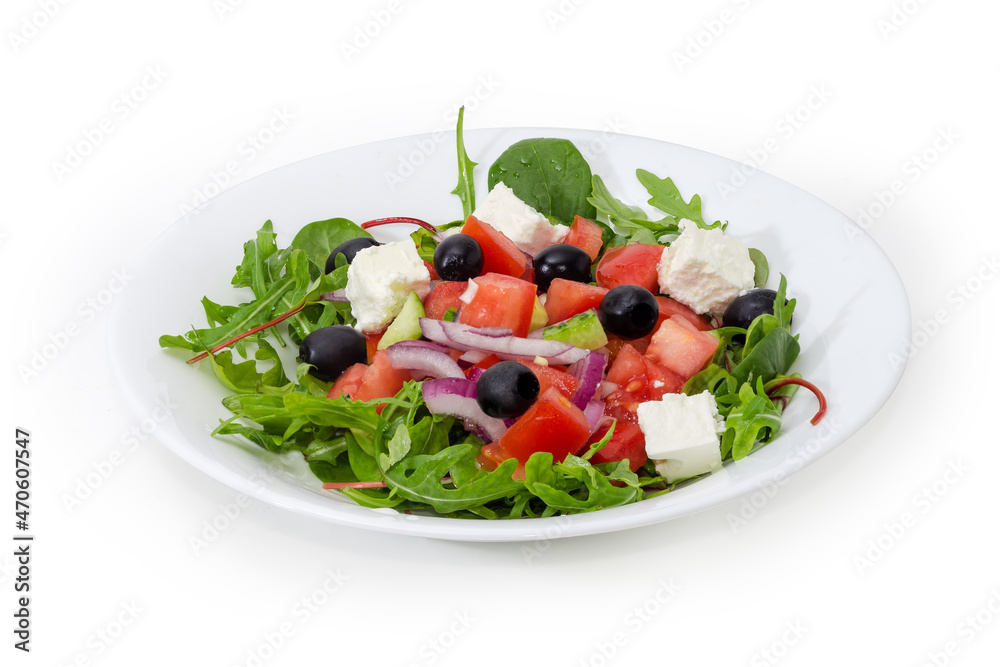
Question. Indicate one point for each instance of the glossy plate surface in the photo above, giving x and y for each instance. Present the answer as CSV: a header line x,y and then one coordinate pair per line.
x,y
841,278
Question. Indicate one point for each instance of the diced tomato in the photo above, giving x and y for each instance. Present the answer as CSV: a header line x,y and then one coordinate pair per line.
x,y
586,235
550,376
634,264
615,344
371,344
670,307
500,301
639,379
348,382
552,424
682,348
381,379
567,298
500,255
627,366
444,295
432,270
627,442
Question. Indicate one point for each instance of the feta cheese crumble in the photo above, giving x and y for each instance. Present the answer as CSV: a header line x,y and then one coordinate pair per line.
x,y
682,434
704,269
527,228
380,278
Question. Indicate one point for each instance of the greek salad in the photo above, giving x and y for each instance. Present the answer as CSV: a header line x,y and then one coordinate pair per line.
x,y
555,350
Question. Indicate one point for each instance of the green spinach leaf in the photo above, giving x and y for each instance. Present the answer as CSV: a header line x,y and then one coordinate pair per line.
x,y
550,175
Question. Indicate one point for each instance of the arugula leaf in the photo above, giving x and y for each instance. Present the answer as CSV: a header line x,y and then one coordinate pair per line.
x,y
418,478
667,198
251,272
628,219
783,311
593,489
466,188
755,413
550,175
244,378
399,447
773,355
319,239
760,270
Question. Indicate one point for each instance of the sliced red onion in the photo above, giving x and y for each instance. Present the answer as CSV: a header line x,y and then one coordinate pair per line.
x,y
594,412
457,397
419,355
605,389
590,372
463,337
473,357
337,296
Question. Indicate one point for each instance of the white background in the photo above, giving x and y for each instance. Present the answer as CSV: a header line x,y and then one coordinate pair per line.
x,y
823,573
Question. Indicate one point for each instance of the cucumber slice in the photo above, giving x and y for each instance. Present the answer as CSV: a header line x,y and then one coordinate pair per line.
x,y
538,316
582,330
406,326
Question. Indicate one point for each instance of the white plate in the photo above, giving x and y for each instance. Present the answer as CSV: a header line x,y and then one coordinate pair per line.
x,y
844,284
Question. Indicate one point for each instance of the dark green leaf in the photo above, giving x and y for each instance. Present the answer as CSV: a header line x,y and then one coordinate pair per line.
x,y
319,239
550,175
773,355
760,269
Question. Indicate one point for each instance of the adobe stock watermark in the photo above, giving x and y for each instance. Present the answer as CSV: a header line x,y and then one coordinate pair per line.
x,y
560,13
751,504
633,623
302,611
554,530
121,108
435,647
698,43
31,25
223,8
366,33
774,653
249,148
911,171
610,130
958,298
966,631
785,128
57,341
101,640
921,504
229,513
899,15
425,147
101,471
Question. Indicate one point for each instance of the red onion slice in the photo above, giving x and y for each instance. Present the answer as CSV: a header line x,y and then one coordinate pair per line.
x,y
457,397
590,372
419,355
506,346
594,412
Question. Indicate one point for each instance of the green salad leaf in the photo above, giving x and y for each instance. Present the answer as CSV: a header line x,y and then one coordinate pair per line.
x,y
466,188
550,175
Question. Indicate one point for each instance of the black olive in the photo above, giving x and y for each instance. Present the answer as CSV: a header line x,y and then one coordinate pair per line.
x,y
349,248
332,350
561,260
507,389
458,257
629,311
744,309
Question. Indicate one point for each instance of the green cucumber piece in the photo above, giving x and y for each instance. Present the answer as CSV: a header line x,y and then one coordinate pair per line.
x,y
582,330
406,326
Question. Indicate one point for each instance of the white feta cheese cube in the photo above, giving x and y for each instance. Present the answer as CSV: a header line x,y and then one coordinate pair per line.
x,y
682,434
380,278
704,269
527,228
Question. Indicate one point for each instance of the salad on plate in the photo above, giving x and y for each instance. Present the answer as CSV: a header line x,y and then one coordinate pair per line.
x,y
554,351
